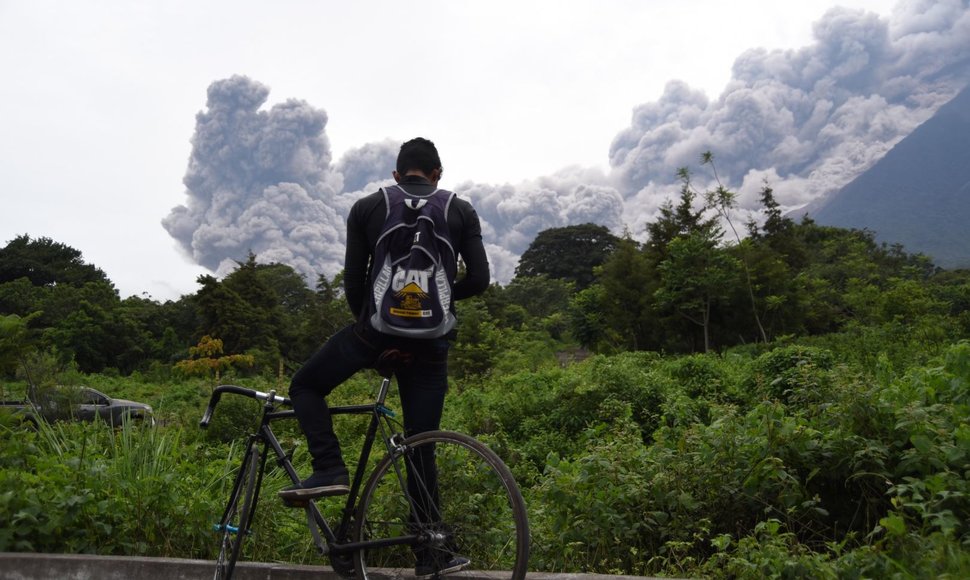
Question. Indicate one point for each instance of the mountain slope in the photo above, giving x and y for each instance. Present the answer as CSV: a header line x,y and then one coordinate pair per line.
x,y
918,194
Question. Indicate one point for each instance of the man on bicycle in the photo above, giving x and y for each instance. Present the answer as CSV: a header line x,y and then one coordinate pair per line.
x,y
424,380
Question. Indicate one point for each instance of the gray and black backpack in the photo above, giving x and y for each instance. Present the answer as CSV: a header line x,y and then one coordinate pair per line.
x,y
414,266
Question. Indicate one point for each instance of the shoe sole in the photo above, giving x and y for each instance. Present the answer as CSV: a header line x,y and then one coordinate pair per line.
x,y
314,492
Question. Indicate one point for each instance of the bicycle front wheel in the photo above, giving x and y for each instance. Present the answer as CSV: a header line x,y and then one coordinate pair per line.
x,y
238,515
455,498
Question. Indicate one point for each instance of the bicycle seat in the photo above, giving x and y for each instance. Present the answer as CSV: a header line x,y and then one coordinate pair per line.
x,y
391,360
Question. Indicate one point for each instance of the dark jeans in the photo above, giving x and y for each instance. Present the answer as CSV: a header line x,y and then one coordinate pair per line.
x,y
422,385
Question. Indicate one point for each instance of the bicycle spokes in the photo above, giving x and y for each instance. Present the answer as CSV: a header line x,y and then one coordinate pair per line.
x,y
463,505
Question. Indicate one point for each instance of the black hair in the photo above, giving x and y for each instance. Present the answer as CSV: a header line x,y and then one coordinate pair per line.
x,y
418,153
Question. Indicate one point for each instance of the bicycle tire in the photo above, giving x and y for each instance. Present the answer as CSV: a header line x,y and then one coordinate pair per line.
x,y
481,514
238,515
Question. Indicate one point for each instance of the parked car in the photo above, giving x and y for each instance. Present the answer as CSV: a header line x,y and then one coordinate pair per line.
x,y
78,404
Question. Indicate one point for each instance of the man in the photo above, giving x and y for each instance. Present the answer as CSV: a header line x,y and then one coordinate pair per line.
x,y
423,382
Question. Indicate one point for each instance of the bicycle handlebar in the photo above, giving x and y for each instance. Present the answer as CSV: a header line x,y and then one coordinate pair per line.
x,y
252,394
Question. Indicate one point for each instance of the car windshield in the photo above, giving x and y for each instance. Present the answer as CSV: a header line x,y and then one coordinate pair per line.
x,y
92,397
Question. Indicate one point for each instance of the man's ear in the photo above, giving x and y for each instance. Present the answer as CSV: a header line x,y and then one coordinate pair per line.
x,y
397,176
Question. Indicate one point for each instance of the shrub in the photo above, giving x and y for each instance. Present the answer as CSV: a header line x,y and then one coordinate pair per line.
x,y
596,514
793,374
235,418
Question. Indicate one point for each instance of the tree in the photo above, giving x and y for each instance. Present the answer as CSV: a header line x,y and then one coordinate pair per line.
x,y
629,282
326,313
587,321
288,288
540,296
16,341
679,242
694,277
164,330
205,360
243,309
88,324
278,300
569,253
46,263
722,201
268,310
475,350
676,221
775,255
90,328
20,296
331,290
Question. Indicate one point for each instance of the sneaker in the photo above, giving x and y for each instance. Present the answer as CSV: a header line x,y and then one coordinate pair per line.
x,y
435,567
333,481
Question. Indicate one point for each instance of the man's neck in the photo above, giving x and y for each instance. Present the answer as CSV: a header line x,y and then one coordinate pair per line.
x,y
415,177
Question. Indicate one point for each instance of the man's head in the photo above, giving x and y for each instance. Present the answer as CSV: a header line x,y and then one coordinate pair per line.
x,y
418,155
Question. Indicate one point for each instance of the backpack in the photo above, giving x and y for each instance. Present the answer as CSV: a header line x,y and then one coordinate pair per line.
x,y
414,266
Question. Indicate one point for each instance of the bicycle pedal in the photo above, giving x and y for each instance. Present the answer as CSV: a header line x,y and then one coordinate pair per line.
x,y
295,503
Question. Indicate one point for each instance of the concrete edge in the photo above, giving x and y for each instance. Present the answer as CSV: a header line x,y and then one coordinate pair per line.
x,y
33,566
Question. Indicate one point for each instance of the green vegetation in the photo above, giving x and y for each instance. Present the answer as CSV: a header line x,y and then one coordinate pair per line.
x,y
789,404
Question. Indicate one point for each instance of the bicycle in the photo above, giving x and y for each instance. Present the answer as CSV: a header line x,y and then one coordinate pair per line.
x,y
477,513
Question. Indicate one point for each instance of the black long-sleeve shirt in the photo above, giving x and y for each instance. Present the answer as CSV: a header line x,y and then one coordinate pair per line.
x,y
364,225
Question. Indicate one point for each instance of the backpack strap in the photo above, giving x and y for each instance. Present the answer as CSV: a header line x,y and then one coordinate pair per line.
x,y
394,194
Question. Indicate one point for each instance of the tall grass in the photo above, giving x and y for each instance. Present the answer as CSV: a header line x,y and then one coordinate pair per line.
x,y
91,488
798,461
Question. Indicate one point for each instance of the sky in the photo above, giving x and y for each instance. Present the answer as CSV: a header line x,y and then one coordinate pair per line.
x,y
165,140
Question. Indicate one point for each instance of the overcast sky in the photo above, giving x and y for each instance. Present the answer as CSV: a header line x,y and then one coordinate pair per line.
x,y
99,99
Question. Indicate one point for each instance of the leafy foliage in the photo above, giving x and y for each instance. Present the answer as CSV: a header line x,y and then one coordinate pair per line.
x,y
45,262
204,361
655,425
794,461
569,253
15,341
84,488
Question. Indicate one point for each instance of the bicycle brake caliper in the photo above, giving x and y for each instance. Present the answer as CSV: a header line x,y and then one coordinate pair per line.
x,y
397,442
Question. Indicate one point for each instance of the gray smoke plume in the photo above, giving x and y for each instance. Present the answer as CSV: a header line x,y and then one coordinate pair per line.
x,y
808,120
261,181
511,216
366,168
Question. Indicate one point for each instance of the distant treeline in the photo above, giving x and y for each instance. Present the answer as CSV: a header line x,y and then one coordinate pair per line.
x,y
695,285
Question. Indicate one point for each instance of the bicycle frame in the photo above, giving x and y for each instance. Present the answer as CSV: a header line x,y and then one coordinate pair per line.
x,y
385,522
380,421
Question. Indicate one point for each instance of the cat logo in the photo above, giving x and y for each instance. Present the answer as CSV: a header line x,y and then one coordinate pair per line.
x,y
405,278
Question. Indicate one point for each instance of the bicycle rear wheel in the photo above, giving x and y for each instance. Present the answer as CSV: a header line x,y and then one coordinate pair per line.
x,y
477,511
238,515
